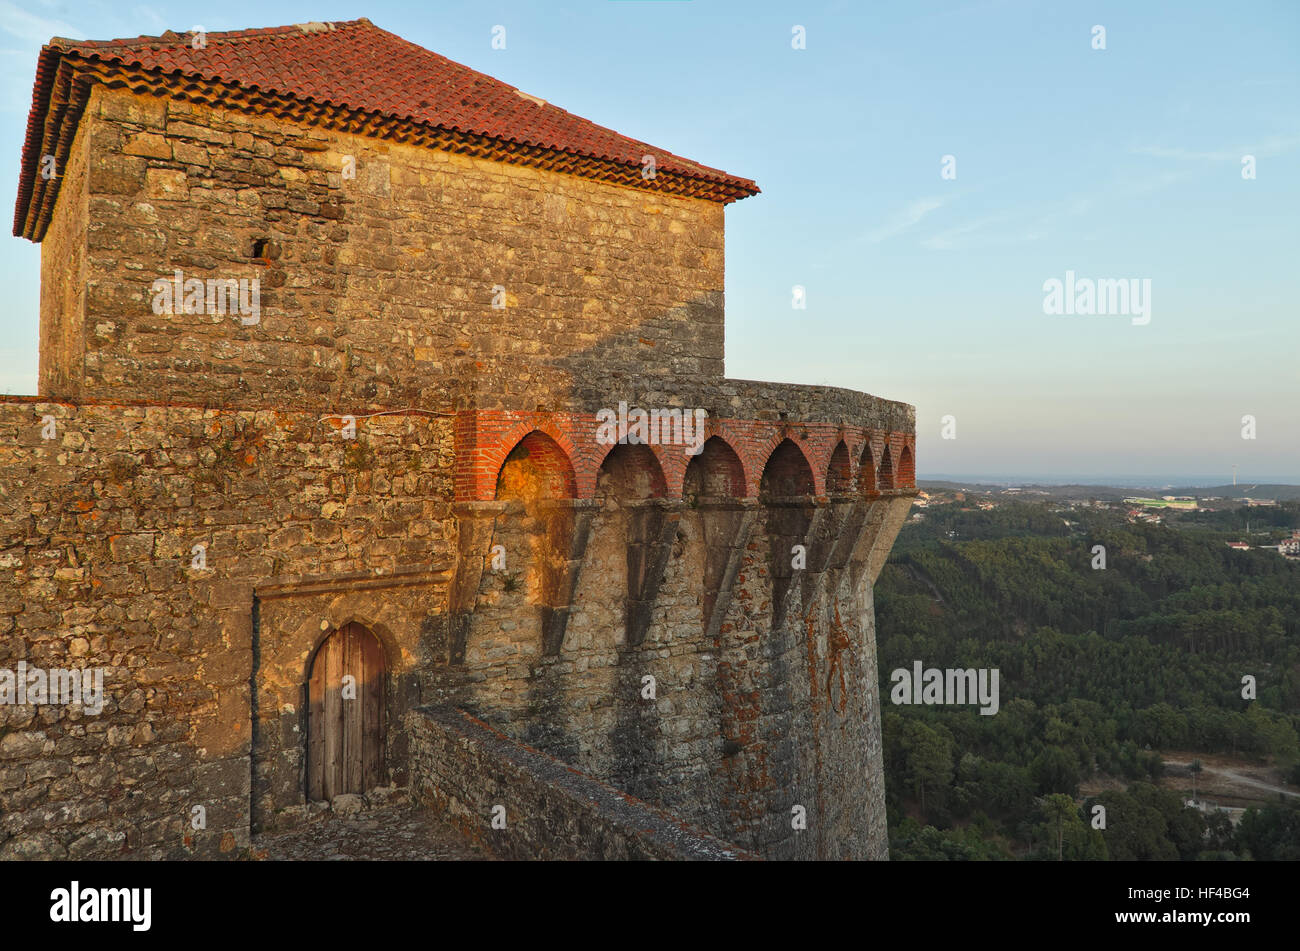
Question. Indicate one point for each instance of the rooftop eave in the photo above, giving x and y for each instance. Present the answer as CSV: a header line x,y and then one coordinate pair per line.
x,y
64,80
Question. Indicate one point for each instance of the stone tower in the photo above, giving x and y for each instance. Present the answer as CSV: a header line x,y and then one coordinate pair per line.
x,y
357,364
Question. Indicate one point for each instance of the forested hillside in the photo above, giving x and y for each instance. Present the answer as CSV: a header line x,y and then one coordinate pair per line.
x,y
1100,669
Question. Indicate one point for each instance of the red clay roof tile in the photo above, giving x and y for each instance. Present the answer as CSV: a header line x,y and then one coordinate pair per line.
x,y
357,66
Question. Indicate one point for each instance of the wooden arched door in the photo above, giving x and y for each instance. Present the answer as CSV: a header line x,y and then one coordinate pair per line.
x,y
346,719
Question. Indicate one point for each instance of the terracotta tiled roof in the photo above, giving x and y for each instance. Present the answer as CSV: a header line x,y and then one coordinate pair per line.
x,y
350,74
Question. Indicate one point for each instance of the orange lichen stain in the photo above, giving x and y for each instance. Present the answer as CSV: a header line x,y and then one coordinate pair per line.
x,y
85,505
810,639
228,842
838,642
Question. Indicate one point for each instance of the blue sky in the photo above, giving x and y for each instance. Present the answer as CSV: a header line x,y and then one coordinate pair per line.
x,y
1122,163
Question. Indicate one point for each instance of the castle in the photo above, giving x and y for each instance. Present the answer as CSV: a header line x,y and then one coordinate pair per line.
x,y
383,439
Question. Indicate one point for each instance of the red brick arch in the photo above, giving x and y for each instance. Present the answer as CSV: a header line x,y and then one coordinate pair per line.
x,y
506,441
905,476
787,470
549,455
635,471
865,471
839,470
756,464
485,440
885,474
673,460
718,451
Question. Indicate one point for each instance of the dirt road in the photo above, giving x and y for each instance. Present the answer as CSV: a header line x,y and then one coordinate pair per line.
x,y
1234,776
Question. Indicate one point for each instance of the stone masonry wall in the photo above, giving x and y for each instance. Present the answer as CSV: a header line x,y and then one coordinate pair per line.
x,y
473,774
97,533
766,703
376,290
63,279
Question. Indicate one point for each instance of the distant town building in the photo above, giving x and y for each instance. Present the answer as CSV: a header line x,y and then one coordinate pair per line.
x,y
1234,813
1167,502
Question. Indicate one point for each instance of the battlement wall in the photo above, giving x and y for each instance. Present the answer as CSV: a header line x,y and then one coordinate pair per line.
x,y
200,558
521,804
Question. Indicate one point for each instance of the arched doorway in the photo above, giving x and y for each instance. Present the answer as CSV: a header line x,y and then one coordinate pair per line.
x,y
346,719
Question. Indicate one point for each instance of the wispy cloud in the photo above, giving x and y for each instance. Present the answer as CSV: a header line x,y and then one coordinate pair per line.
x,y
1272,146
906,218
1186,155
1144,185
951,238
1038,220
